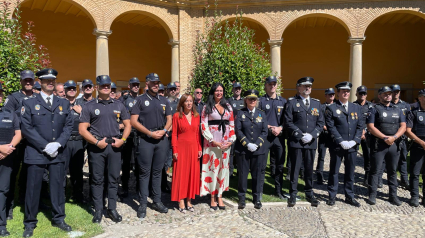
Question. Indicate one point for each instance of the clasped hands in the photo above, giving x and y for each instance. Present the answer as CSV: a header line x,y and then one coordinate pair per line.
x,y
306,138
223,146
252,147
276,130
6,150
52,149
347,144
176,155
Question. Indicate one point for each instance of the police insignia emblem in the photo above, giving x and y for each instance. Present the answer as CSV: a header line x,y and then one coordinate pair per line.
x,y
384,114
234,104
146,103
50,71
243,116
356,115
278,110
352,116
298,105
268,106
421,118
118,117
22,110
104,76
338,111
130,104
258,119
97,112
37,107
60,109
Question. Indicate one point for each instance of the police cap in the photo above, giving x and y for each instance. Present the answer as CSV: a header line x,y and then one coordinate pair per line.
x,y
384,90
271,79
134,80
362,89
87,82
27,74
48,73
422,92
344,85
237,85
329,91
113,86
252,93
305,81
37,86
161,87
103,79
395,87
152,77
171,85
70,84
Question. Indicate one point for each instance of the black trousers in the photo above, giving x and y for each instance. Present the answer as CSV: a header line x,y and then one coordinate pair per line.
x,y
389,154
417,157
256,165
151,159
231,160
6,167
402,162
106,162
22,179
366,155
75,163
126,156
298,157
167,164
277,150
35,173
335,163
321,150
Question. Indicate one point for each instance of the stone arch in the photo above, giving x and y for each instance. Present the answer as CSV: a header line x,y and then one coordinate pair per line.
x,y
90,8
337,16
162,15
255,20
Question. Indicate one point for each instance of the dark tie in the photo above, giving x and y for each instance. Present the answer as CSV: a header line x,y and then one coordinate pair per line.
x,y
48,102
306,103
345,107
252,114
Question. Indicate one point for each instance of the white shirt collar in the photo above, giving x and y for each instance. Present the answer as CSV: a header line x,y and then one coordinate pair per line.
x,y
44,96
303,98
344,104
253,110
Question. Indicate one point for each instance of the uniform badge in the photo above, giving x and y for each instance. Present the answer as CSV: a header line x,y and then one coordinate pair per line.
x,y
258,119
97,112
352,115
146,103
278,110
421,118
118,117
356,115
130,104
37,107
384,114
314,112
243,116
60,109
298,105
338,111
234,104
22,110
267,106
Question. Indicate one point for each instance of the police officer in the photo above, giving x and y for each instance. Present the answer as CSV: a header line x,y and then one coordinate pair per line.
x,y
402,162
151,116
304,121
99,125
161,90
37,87
128,153
251,130
10,135
46,122
361,94
113,90
324,138
237,103
13,103
387,124
345,124
273,105
197,95
88,89
416,131
75,147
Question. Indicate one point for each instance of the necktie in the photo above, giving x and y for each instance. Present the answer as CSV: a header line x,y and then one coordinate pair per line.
x,y
252,114
345,107
306,103
48,102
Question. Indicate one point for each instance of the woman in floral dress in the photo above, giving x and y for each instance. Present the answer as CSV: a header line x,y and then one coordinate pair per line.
x,y
218,130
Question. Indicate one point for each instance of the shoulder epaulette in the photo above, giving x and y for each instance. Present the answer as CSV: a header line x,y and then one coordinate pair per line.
x,y
259,109
289,99
315,99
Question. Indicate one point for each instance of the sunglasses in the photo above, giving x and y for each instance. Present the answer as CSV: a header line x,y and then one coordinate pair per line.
x,y
362,94
198,92
88,86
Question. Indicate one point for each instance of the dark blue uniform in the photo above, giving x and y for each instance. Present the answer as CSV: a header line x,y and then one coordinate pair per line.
x,y
168,162
324,142
104,117
9,123
251,128
343,125
416,121
274,109
236,105
300,119
387,120
43,124
153,112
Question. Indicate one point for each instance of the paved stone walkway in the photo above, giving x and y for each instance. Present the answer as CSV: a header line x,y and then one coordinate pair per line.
x,y
341,220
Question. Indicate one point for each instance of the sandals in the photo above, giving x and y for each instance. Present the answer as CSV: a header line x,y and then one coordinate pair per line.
x,y
182,210
191,209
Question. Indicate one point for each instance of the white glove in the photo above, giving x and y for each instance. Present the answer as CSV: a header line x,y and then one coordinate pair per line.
x,y
54,154
307,138
345,145
252,147
51,148
352,143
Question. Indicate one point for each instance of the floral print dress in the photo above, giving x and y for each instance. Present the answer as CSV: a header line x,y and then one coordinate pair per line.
x,y
215,161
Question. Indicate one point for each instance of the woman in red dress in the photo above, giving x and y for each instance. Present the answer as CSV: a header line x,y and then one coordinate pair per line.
x,y
186,153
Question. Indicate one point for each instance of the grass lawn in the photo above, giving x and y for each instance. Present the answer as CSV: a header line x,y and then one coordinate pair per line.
x,y
77,216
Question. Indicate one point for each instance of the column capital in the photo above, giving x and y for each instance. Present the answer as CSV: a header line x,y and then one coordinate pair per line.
x,y
174,43
101,34
275,43
356,41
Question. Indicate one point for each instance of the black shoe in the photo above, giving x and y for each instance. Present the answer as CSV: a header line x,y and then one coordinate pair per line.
x,y
352,202
241,204
319,180
366,179
280,196
395,201
97,217
29,231
371,200
124,193
63,226
414,202
113,214
404,184
166,189
159,207
222,207
312,199
258,205
141,211
4,233
330,202
292,201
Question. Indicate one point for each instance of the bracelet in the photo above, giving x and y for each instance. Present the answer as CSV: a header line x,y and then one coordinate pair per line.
x,y
97,142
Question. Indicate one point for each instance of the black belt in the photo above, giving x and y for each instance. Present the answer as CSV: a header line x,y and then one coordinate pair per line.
x,y
75,137
108,140
143,135
221,124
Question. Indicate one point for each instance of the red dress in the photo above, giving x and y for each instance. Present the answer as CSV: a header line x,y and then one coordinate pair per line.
x,y
186,170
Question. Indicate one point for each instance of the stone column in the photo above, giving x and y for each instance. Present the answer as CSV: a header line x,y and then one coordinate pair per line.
x,y
355,64
175,60
275,55
102,52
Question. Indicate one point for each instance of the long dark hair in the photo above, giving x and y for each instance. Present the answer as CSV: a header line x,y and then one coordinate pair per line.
x,y
180,106
211,102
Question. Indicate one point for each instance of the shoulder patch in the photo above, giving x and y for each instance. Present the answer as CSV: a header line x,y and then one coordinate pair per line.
x,y
259,109
291,98
315,99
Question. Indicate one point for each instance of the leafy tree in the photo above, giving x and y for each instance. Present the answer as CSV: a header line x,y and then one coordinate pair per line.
x,y
227,53
18,48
